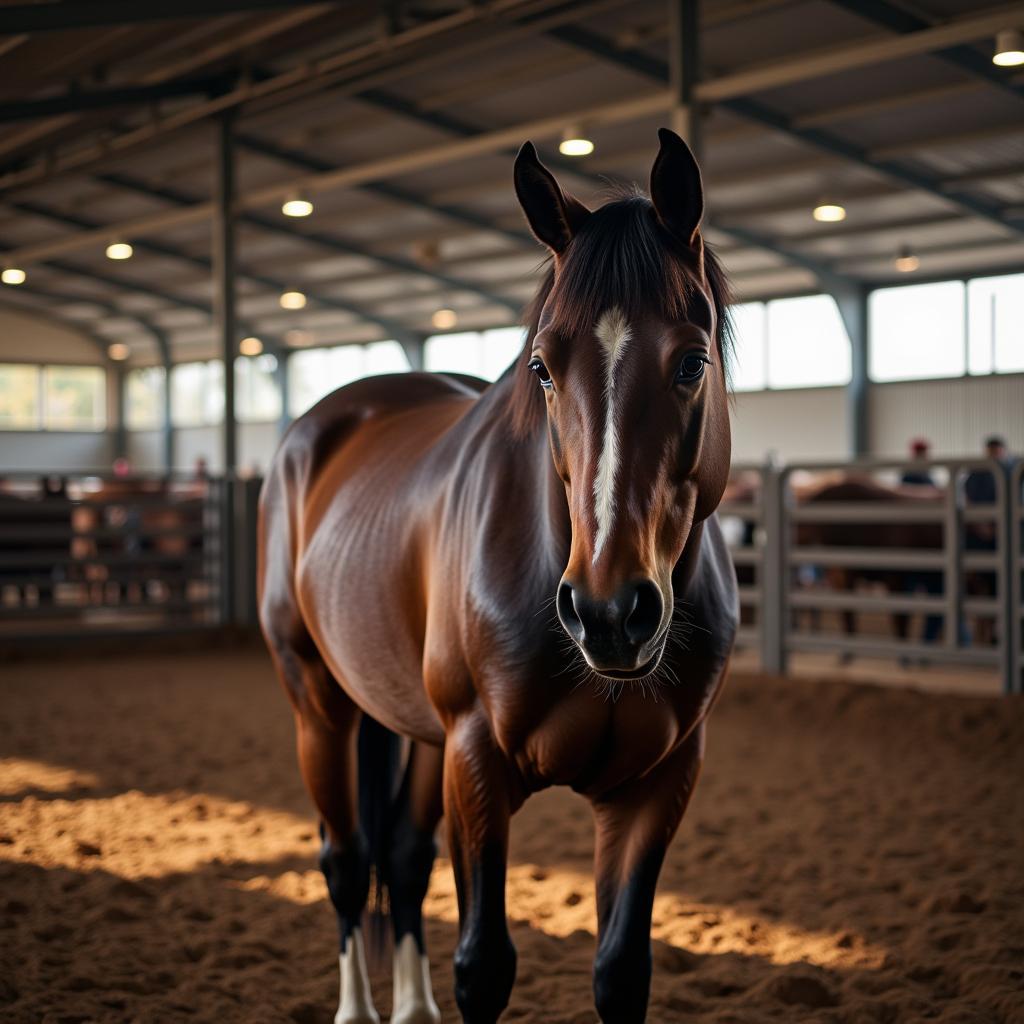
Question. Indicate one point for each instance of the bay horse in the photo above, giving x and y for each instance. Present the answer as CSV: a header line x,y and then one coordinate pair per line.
x,y
527,582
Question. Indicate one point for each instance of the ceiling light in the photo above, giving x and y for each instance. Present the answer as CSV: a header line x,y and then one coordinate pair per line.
x,y
13,275
906,262
118,351
1009,49
119,251
296,206
250,346
829,213
444,319
292,299
575,143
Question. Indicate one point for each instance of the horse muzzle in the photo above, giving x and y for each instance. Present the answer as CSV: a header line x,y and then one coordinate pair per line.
x,y
620,636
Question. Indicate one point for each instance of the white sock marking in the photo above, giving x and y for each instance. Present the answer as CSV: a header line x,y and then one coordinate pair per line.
x,y
355,1003
413,997
613,333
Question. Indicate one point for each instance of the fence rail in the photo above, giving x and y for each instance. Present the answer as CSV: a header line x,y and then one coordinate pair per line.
x,y
921,573
84,554
847,541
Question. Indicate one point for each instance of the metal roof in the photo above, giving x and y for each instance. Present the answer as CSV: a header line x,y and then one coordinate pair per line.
x,y
399,121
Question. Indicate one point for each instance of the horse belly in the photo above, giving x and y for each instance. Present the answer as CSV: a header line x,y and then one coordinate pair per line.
x,y
359,603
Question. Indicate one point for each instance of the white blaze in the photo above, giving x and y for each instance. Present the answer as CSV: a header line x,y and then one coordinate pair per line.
x,y
613,333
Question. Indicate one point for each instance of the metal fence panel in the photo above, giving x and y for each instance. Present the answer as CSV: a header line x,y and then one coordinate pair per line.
x,y
99,555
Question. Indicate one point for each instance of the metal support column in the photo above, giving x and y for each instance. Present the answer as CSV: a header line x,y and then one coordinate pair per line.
x,y
684,69
224,305
414,346
167,426
852,300
121,409
224,283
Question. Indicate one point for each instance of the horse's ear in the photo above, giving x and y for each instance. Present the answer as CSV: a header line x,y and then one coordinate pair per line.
x,y
554,216
676,189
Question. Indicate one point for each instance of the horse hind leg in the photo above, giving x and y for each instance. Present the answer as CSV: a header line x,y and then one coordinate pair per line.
x,y
327,730
414,819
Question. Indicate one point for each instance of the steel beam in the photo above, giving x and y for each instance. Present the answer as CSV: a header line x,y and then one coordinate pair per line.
x,y
760,113
59,17
395,193
906,21
323,240
392,327
81,100
684,70
455,126
199,262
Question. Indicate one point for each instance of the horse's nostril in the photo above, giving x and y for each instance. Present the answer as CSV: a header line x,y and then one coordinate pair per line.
x,y
566,606
643,620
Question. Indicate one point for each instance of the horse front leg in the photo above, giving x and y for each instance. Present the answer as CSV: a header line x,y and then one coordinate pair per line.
x,y
478,802
634,825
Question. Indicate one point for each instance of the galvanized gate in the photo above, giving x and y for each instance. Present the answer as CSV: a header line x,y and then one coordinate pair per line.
x,y
924,553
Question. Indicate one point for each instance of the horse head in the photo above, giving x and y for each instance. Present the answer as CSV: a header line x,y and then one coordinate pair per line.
x,y
628,348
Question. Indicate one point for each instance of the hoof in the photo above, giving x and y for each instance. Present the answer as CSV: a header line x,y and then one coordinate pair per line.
x,y
421,1014
361,1018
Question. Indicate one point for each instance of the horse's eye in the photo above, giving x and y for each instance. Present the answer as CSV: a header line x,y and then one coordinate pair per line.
x,y
538,367
691,368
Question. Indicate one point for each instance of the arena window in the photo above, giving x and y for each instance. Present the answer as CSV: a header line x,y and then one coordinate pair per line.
x,y
315,372
20,398
144,398
995,324
197,394
257,396
72,398
485,354
917,331
789,343
750,347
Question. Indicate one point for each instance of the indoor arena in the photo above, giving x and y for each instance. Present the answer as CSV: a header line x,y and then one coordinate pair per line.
x,y
681,438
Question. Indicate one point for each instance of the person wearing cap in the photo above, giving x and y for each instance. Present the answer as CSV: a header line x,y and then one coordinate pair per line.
x,y
918,476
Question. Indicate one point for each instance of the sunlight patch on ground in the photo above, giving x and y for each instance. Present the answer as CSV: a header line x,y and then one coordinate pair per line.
x,y
19,775
137,835
560,902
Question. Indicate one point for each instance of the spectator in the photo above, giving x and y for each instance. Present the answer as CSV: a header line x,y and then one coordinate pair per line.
x,y
919,476
980,489
980,485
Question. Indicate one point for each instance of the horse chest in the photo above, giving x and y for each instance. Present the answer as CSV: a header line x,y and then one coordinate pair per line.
x,y
593,743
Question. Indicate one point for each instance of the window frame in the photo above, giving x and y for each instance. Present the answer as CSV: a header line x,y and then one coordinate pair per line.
x,y
42,424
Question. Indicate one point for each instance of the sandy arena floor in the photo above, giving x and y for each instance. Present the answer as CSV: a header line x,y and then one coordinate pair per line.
x,y
853,855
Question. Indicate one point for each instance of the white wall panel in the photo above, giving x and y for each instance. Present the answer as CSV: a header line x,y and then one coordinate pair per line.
x,y
955,415
56,450
796,425
146,450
